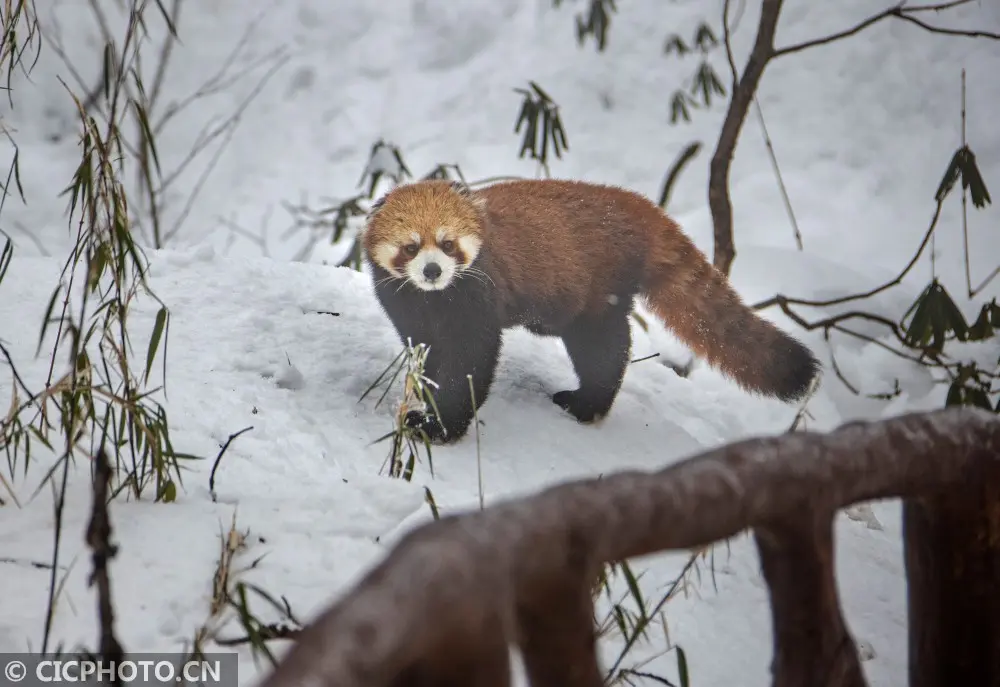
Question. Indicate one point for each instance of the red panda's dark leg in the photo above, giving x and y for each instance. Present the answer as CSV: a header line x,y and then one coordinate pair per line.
x,y
451,358
460,328
599,346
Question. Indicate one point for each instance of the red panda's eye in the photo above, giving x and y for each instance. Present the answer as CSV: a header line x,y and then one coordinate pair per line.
x,y
411,249
447,246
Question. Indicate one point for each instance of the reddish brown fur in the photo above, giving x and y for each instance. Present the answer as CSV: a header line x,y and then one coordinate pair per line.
x,y
422,209
561,255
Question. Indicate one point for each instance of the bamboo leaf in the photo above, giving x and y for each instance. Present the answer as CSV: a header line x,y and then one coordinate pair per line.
x,y
154,339
950,177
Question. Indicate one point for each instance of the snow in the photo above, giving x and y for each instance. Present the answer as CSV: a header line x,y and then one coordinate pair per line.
x,y
862,130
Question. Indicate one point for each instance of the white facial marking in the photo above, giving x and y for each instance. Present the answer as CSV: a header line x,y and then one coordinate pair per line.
x,y
441,234
469,245
424,260
416,238
385,254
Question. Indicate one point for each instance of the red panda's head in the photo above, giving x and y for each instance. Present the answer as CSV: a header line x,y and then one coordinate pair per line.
x,y
428,233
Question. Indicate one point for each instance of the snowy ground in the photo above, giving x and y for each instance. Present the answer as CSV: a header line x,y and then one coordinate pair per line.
x,y
863,131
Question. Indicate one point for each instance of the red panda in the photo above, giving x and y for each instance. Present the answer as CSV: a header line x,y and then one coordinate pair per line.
x,y
452,268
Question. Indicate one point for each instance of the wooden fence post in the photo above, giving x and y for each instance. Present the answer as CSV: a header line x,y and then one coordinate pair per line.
x,y
952,553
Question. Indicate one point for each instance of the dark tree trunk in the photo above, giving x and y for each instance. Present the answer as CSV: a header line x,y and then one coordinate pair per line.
x,y
952,547
744,91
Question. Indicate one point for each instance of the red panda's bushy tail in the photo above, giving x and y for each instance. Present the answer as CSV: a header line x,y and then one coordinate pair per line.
x,y
696,302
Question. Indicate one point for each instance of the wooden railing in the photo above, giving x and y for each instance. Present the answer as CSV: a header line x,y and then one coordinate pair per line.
x,y
446,603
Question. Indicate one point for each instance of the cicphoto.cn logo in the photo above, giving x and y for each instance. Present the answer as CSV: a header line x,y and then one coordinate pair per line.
x,y
80,670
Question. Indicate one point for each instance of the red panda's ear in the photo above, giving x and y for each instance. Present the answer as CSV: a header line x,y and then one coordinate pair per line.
x,y
376,206
462,189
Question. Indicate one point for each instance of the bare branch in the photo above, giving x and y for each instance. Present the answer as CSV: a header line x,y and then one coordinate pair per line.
x,y
165,53
965,33
224,132
899,11
448,600
222,79
840,35
776,300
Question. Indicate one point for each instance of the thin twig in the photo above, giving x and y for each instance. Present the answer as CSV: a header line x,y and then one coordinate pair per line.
x,y
871,292
165,53
38,565
973,292
221,80
265,633
777,173
50,610
227,129
964,33
898,11
836,368
727,41
645,357
218,458
479,457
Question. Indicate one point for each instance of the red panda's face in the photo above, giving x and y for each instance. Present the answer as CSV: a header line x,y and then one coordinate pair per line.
x,y
428,233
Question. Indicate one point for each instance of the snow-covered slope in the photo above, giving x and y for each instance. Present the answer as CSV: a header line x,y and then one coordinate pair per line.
x,y
248,349
862,131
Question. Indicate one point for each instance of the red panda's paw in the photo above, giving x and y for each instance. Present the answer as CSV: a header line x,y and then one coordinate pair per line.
x,y
579,405
429,425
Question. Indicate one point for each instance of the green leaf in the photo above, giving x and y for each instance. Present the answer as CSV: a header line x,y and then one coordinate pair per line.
x,y
429,498
539,117
596,24
704,38
949,178
544,97
981,329
674,172
169,492
954,397
682,668
109,69
679,107
166,18
154,339
676,44
953,318
147,135
935,316
706,82
977,397
963,164
47,318
5,257
972,180
971,387
633,587
994,313
559,135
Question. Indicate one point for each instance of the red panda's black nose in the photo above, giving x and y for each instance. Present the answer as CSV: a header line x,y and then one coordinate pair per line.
x,y
432,271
